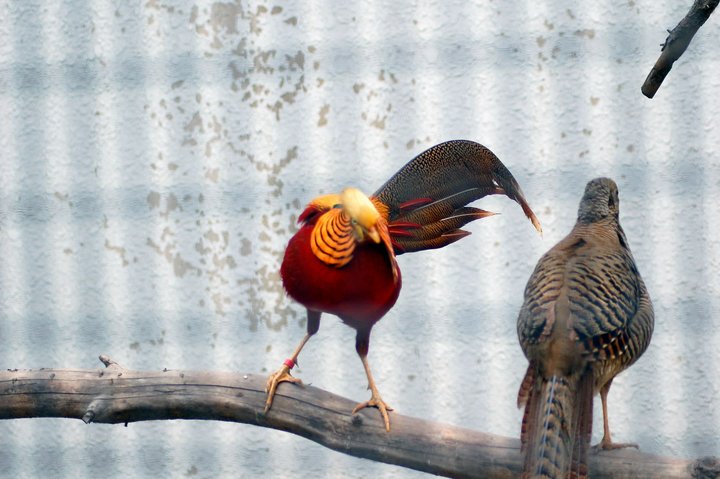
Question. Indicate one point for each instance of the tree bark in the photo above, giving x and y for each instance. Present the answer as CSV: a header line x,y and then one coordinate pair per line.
x,y
676,43
116,395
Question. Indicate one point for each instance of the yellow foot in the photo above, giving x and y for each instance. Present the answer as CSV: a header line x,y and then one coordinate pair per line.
x,y
607,445
280,376
376,401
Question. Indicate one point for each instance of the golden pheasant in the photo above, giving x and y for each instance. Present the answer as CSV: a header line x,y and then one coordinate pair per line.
x,y
342,259
586,317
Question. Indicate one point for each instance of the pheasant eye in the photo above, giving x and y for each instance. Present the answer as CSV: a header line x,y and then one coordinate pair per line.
x,y
338,205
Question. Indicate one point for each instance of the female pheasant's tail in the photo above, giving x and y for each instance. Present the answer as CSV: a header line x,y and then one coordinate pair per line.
x,y
426,201
556,427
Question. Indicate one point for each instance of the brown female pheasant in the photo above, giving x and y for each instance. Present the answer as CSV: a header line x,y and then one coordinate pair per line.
x,y
586,317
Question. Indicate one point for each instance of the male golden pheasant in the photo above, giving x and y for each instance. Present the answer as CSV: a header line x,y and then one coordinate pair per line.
x,y
342,259
586,317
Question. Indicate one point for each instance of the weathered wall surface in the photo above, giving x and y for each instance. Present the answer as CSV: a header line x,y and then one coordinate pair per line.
x,y
154,157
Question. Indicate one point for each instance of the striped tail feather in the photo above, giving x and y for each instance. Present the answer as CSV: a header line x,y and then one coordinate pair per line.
x,y
556,427
427,210
437,185
416,237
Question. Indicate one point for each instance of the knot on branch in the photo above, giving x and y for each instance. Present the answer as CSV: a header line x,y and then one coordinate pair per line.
x,y
111,364
90,414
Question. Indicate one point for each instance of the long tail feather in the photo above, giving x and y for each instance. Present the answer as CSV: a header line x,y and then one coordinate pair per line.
x,y
438,182
428,235
583,429
556,427
404,246
434,210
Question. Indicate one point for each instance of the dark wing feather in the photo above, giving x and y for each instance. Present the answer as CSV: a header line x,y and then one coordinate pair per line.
x,y
436,185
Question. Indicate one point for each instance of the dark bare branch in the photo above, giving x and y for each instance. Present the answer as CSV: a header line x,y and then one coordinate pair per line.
x,y
117,395
676,43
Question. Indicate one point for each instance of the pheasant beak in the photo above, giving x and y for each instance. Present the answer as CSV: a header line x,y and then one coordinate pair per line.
x,y
374,234
362,213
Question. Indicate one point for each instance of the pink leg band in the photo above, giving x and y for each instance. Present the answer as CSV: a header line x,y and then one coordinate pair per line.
x,y
289,363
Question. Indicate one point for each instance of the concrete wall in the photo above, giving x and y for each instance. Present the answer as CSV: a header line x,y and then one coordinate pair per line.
x,y
155,155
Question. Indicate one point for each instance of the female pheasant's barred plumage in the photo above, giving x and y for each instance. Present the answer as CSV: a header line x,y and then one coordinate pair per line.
x,y
342,259
586,317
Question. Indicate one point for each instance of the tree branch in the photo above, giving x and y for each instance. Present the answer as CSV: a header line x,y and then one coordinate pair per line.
x,y
676,43
116,395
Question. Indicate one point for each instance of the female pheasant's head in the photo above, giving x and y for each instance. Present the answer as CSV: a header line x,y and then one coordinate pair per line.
x,y
600,201
362,213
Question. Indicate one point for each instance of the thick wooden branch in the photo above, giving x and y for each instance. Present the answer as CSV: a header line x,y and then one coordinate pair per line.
x,y
116,395
677,42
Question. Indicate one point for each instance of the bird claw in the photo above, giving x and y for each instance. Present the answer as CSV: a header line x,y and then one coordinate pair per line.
x,y
280,376
376,401
608,445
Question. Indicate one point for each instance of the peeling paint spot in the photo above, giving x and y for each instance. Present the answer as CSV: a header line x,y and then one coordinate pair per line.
x,y
180,266
224,16
213,174
245,247
274,316
322,121
274,170
194,123
587,33
297,60
153,199
119,250
378,122
211,236
171,204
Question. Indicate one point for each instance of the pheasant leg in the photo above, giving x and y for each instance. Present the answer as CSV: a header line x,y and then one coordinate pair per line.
x,y
283,374
375,399
606,442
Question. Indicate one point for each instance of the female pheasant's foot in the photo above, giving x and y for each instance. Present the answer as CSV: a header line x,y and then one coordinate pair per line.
x,y
607,445
280,376
376,401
